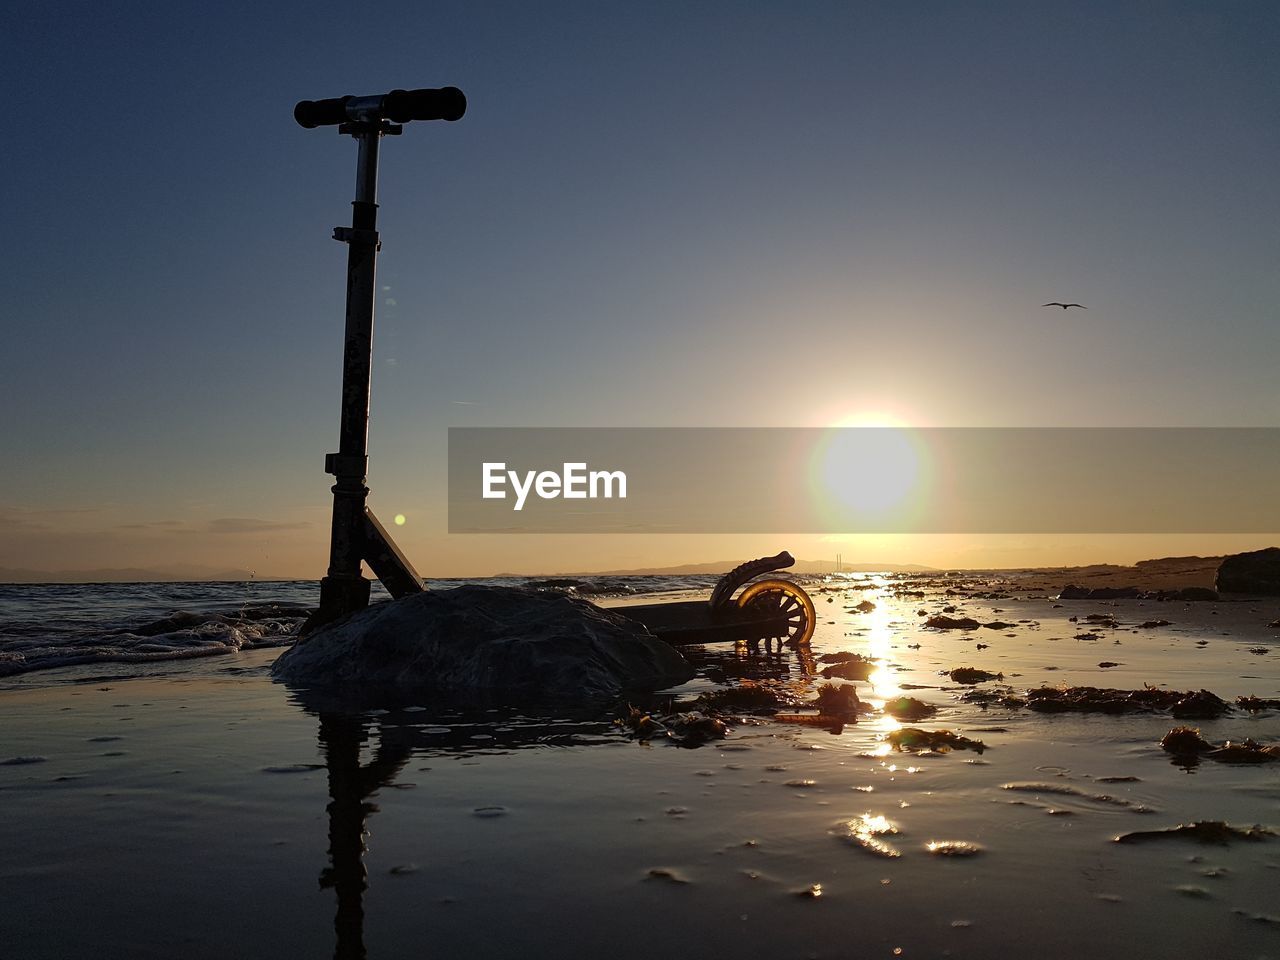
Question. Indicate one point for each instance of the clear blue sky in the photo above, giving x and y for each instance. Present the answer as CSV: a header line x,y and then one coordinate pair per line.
x,y
652,213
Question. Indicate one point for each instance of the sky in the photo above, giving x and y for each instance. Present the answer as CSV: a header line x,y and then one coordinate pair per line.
x,y
657,214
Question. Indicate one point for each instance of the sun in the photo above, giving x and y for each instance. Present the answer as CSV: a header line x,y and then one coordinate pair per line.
x,y
867,470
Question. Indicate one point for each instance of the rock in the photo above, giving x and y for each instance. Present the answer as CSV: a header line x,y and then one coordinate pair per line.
x,y
484,639
1256,572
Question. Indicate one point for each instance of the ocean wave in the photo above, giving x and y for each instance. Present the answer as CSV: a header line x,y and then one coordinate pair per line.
x,y
181,635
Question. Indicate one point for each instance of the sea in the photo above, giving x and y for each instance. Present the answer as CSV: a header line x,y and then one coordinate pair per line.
x,y
44,627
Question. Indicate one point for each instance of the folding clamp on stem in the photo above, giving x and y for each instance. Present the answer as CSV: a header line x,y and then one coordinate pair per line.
x,y
352,235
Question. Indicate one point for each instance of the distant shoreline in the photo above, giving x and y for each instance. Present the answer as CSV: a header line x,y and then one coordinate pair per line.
x,y
1157,573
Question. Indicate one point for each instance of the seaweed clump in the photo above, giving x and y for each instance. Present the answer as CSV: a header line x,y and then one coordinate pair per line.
x,y
940,622
972,675
691,729
1185,741
909,708
839,700
1198,703
747,697
856,669
1254,704
941,741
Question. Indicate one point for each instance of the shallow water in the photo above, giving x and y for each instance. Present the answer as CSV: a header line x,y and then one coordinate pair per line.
x,y
201,810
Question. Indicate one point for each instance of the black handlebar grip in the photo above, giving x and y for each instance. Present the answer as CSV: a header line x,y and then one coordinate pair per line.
x,y
321,113
445,103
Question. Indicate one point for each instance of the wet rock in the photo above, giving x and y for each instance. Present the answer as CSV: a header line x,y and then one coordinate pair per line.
x,y
941,741
1108,664
1152,624
999,625
940,622
484,638
1256,572
866,606
972,675
1202,831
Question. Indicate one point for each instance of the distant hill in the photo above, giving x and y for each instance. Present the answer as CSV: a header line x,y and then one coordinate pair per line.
x,y
183,574
724,566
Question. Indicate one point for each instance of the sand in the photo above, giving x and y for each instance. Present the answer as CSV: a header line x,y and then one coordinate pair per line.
x,y
200,811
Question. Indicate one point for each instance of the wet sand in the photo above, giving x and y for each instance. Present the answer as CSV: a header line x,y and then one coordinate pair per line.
x,y
202,811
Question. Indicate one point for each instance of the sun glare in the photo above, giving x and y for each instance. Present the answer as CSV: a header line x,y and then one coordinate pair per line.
x,y
867,468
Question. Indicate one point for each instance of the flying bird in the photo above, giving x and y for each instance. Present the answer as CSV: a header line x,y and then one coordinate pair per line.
x,y
1064,306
